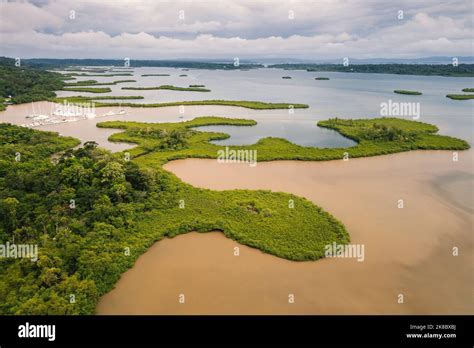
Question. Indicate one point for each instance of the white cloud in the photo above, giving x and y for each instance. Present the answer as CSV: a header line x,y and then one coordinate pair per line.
x,y
232,28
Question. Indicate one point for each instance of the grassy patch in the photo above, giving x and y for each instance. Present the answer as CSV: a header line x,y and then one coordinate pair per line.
x,y
97,75
146,75
321,78
373,136
89,89
169,87
470,90
401,91
95,83
460,96
83,99
241,103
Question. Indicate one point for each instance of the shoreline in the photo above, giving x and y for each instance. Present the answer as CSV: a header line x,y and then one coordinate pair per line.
x,y
408,250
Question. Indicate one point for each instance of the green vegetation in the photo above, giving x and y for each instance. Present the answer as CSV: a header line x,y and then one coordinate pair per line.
x,y
377,136
173,88
183,75
123,207
83,99
95,83
460,96
322,78
197,86
402,91
470,90
89,89
241,103
25,84
146,75
462,70
97,75
64,63
286,77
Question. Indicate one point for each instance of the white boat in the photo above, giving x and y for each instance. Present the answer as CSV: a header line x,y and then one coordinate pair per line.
x,y
40,117
113,113
36,116
66,113
110,113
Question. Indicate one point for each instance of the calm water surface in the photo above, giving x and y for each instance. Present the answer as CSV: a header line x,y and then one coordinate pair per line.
x,y
345,95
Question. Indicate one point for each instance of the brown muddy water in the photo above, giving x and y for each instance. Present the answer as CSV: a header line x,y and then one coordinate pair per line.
x,y
86,129
408,251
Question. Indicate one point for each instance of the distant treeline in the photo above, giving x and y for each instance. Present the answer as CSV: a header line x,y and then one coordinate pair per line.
x,y
25,84
401,69
62,63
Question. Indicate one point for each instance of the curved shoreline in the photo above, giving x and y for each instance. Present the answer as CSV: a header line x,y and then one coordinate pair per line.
x,y
408,250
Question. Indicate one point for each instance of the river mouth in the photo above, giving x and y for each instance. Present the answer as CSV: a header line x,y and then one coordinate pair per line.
x,y
408,251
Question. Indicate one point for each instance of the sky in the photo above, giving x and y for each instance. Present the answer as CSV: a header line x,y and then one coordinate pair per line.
x,y
224,29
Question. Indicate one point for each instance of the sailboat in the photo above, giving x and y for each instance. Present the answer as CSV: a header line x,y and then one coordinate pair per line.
x,y
113,113
38,118
66,111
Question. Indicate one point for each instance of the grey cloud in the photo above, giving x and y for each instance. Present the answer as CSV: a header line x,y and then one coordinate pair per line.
x,y
228,28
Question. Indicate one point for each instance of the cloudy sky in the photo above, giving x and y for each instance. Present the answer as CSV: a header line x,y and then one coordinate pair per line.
x,y
223,29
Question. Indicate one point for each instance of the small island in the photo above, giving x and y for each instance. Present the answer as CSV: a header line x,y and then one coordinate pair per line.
x,y
256,105
460,96
321,78
286,77
88,89
169,87
96,75
471,90
95,83
402,91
